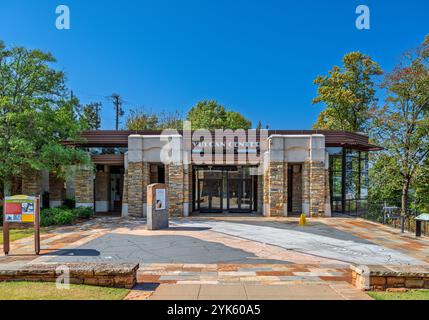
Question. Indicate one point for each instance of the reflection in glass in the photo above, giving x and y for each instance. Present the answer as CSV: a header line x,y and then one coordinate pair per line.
x,y
349,187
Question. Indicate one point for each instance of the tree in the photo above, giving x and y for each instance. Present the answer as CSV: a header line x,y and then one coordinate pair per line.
x,y
421,186
402,125
139,119
210,115
385,181
348,93
35,115
91,115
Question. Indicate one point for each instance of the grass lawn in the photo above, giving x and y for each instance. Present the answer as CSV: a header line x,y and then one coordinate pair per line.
x,y
409,295
17,234
49,291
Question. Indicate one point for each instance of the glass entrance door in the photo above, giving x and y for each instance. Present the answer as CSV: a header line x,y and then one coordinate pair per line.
x,y
240,195
228,188
210,195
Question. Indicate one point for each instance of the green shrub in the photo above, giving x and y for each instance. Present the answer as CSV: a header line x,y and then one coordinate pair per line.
x,y
1,215
46,218
56,216
70,203
83,212
63,216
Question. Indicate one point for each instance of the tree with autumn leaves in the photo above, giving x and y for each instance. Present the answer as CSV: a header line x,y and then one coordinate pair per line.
x,y
400,123
348,93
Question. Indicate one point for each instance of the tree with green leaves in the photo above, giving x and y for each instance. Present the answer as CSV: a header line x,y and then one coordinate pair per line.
x,y
402,125
91,115
210,115
36,114
140,119
348,93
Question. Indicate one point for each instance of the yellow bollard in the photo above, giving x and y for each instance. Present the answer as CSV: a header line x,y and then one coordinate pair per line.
x,y
302,220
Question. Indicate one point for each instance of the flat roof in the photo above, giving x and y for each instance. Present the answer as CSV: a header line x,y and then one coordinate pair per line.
x,y
333,138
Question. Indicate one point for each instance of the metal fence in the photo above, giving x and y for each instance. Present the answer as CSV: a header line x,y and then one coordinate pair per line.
x,y
389,213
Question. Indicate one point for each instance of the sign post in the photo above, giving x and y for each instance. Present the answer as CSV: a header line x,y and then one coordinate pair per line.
x,y
23,211
157,207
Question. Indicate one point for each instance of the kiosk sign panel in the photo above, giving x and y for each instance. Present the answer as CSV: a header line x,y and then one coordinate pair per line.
x,y
160,199
23,210
19,209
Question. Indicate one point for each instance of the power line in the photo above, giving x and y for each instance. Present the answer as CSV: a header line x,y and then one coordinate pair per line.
x,y
117,102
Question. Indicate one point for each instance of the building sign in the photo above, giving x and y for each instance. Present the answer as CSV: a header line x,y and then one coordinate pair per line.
x,y
160,199
238,147
19,209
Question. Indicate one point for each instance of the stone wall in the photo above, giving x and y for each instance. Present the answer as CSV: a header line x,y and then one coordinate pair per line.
x,y
94,274
296,189
175,189
101,186
137,180
328,211
57,192
84,186
260,193
32,184
305,173
187,194
381,278
276,189
102,192
317,189
125,194
154,174
190,179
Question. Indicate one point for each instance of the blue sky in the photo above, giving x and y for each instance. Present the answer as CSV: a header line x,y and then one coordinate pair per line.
x,y
257,57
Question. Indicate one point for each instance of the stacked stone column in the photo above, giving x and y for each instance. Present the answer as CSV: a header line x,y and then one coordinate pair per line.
x,y
102,192
306,188
124,211
275,180
317,189
277,189
176,183
56,191
84,186
137,181
32,184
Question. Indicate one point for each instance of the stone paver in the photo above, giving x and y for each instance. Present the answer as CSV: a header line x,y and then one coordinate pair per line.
x,y
252,240
323,291
309,240
273,274
210,255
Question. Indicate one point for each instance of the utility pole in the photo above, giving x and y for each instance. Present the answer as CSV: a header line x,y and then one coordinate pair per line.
x,y
117,102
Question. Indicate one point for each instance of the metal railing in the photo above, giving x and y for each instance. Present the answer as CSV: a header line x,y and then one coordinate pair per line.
x,y
389,213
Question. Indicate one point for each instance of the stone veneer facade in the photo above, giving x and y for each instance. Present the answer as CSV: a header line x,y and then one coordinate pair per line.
x,y
137,182
307,151
32,184
84,186
310,184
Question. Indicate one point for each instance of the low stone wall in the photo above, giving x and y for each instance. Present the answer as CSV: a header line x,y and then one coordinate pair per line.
x,y
382,278
96,274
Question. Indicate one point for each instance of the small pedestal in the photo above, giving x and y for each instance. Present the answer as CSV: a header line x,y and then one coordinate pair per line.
x,y
157,206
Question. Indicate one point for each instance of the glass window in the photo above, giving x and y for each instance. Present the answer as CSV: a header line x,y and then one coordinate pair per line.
x,y
105,150
354,180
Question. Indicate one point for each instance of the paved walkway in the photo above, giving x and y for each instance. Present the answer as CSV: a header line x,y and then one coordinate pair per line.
x,y
237,273
244,291
240,253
